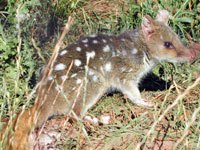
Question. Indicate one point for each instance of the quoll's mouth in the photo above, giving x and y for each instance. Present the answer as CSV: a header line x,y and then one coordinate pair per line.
x,y
194,51
192,55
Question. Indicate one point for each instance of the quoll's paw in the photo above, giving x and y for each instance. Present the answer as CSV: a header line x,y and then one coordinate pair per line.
x,y
145,103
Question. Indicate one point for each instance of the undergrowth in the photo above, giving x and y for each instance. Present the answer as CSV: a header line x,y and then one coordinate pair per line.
x,y
29,30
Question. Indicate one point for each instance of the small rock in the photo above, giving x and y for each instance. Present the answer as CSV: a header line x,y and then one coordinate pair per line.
x,y
105,119
45,139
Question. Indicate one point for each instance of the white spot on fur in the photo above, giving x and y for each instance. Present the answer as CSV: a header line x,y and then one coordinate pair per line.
x,y
78,81
50,78
106,48
77,62
113,54
64,77
78,49
124,53
85,41
108,67
73,75
90,54
94,78
95,41
63,52
134,51
90,72
123,39
59,67
86,45
104,41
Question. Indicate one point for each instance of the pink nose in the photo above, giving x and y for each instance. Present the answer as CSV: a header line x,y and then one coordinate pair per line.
x,y
192,55
194,51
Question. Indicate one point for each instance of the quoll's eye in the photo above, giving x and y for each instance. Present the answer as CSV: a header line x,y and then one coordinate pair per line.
x,y
168,45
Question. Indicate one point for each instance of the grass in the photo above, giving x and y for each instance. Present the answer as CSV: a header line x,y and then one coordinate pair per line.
x,y
174,119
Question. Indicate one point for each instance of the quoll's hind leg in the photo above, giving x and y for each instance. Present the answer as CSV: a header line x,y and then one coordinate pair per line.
x,y
92,99
130,89
50,103
89,96
45,111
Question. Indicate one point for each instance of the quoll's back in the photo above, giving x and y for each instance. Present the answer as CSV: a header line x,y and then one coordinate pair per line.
x,y
98,62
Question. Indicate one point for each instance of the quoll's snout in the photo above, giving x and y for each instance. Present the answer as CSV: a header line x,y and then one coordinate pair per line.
x,y
194,50
187,54
192,55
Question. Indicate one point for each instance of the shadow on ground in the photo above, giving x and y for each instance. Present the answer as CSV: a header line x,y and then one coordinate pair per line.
x,y
153,83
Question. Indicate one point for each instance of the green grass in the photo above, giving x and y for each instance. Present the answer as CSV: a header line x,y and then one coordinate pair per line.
x,y
21,62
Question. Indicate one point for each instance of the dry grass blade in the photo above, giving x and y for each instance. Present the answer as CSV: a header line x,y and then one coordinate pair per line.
x,y
50,64
56,49
38,86
188,125
179,97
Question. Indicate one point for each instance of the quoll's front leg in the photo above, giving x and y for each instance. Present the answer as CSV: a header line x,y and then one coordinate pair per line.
x,y
130,89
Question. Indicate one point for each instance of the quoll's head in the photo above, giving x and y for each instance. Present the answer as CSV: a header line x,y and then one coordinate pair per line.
x,y
163,43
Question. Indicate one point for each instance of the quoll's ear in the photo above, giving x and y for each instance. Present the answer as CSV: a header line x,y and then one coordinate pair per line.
x,y
148,27
163,16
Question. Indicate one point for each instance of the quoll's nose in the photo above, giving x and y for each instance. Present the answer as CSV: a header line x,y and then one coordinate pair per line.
x,y
192,55
194,51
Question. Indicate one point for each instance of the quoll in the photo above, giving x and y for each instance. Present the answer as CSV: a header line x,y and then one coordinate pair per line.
x,y
89,67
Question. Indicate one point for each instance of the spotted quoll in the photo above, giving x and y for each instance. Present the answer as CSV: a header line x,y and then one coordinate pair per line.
x,y
89,67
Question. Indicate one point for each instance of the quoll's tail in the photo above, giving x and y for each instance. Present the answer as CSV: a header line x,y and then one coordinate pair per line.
x,y
18,130
15,134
